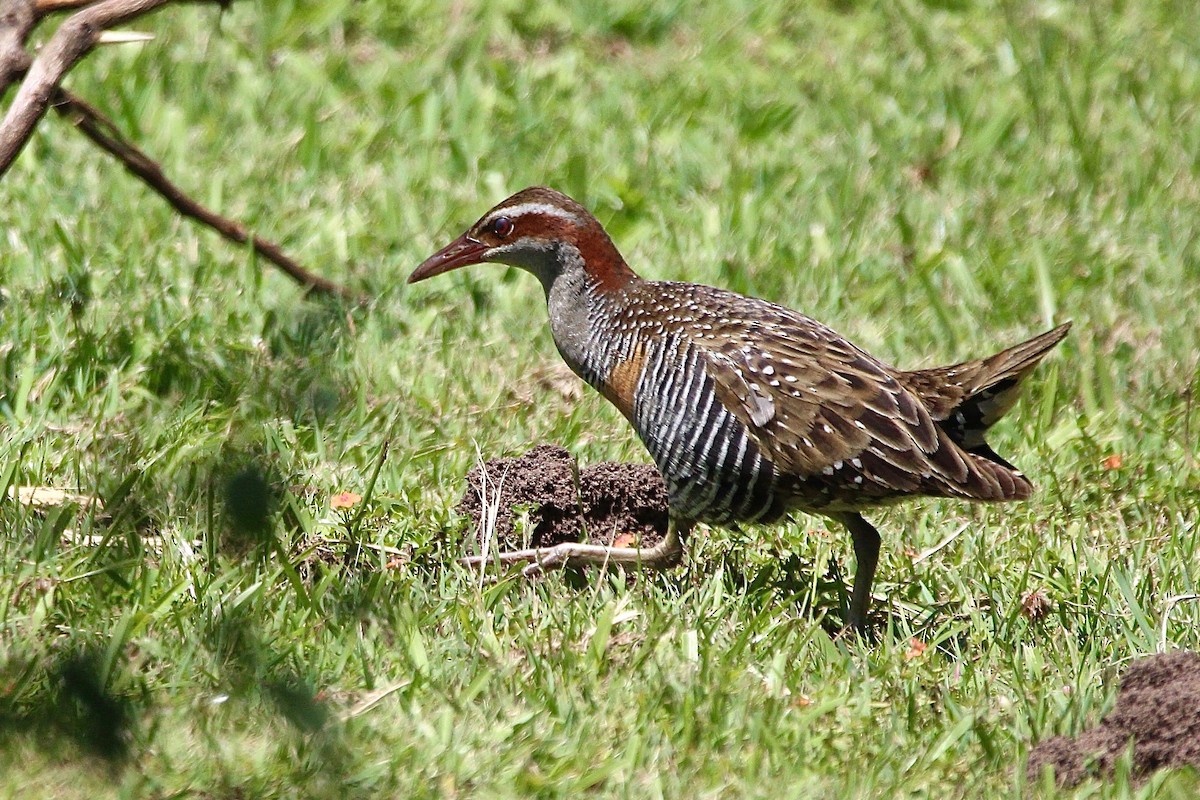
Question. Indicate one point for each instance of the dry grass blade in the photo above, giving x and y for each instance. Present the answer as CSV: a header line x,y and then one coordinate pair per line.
x,y
1169,606
124,37
489,501
50,497
924,554
372,699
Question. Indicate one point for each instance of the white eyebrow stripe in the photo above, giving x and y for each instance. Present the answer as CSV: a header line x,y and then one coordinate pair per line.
x,y
535,208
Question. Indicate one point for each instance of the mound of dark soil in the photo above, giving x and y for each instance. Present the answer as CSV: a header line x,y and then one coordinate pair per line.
x,y
621,503
1158,711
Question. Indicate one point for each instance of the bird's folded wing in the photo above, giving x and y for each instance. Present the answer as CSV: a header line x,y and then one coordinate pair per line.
x,y
815,403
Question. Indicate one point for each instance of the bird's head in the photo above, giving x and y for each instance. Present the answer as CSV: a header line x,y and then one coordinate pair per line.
x,y
539,230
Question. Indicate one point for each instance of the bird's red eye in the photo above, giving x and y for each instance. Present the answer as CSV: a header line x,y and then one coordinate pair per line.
x,y
502,226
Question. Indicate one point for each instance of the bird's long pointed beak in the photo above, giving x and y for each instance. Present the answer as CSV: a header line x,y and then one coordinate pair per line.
x,y
462,252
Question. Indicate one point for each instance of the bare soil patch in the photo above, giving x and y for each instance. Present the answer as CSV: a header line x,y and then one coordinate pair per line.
x,y
614,502
1157,712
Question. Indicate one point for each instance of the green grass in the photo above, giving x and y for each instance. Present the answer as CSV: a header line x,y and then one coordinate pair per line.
x,y
935,180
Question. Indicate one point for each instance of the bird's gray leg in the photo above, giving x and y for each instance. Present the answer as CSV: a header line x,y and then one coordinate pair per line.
x,y
866,554
663,555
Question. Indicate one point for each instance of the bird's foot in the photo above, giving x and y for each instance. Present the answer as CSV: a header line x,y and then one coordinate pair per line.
x,y
540,559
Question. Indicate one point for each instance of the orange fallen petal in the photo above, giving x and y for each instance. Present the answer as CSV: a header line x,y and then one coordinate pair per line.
x,y
345,500
1112,462
625,540
915,648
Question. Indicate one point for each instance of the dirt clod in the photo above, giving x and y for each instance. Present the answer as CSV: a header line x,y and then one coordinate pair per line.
x,y
540,483
626,501
1157,710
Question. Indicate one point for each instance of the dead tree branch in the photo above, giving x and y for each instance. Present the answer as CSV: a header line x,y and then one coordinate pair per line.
x,y
41,88
73,40
17,19
50,6
104,134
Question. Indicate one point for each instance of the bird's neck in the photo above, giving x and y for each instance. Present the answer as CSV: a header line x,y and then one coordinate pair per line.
x,y
603,262
583,301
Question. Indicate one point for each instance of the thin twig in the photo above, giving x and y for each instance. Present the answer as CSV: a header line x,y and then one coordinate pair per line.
x,y
105,134
50,6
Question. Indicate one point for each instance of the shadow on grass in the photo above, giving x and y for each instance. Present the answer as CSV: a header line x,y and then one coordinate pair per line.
x,y
260,675
69,706
250,501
